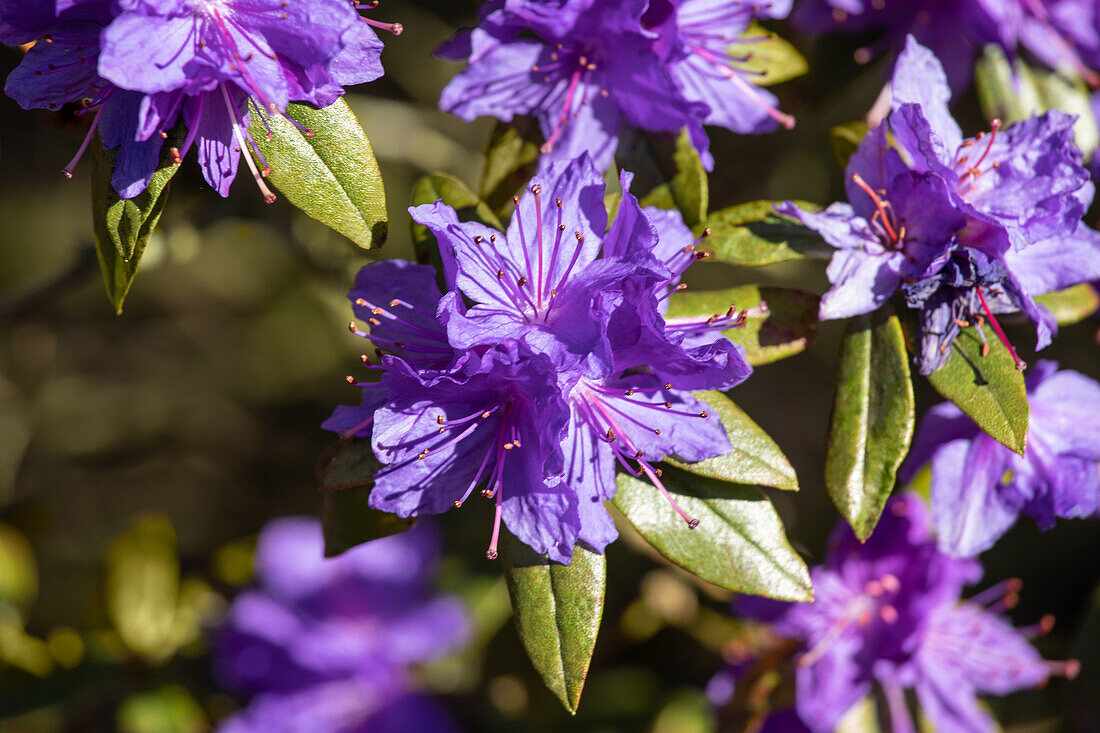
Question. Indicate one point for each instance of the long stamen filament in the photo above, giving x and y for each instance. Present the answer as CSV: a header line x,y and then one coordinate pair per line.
x,y
1020,363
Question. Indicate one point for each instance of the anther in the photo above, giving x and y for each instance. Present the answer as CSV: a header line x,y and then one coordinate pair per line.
x,y
361,302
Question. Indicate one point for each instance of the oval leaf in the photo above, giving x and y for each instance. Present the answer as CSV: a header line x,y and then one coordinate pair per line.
x,y
332,175
557,609
780,322
771,61
872,423
123,226
987,388
753,234
739,543
754,459
1071,305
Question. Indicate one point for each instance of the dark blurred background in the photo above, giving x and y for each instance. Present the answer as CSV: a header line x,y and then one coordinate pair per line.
x,y
171,433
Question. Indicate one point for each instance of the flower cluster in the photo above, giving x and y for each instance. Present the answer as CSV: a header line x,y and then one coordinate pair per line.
x,y
1062,33
979,487
964,228
325,644
887,613
140,67
546,362
584,67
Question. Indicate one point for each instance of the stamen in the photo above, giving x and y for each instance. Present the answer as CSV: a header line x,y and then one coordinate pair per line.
x,y
566,107
879,204
1020,363
67,171
269,197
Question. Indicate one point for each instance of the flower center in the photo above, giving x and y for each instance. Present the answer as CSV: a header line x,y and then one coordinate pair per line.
x,y
571,104
971,172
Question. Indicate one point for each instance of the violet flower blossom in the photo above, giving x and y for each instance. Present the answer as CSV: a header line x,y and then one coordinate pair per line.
x,y
583,67
1064,34
141,66
887,614
979,487
545,365
325,644
965,228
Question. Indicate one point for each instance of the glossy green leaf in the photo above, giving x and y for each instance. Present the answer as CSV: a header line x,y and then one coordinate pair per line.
x,y
739,543
123,226
558,609
845,139
753,234
1071,305
780,322
987,388
345,474
771,61
331,174
754,457
687,191
168,709
510,160
872,423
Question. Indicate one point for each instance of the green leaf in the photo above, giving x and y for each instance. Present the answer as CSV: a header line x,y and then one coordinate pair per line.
x,y
753,234
754,457
783,326
346,463
987,388
687,190
122,227
557,609
872,423
345,474
739,543
1071,305
348,520
510,160
331,175
667,172
772,61
456,194
845,139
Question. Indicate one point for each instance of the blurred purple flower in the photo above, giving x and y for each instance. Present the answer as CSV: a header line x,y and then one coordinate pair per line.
x,y
546,362
887,613
966,228
580,67
205,64
325,644
1064,34
979,487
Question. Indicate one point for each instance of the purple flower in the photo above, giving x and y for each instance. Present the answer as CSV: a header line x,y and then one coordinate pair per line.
x,y
580,67
979,487
1064,34
695,41
140,66
546,363
330,641
887,614
966,228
